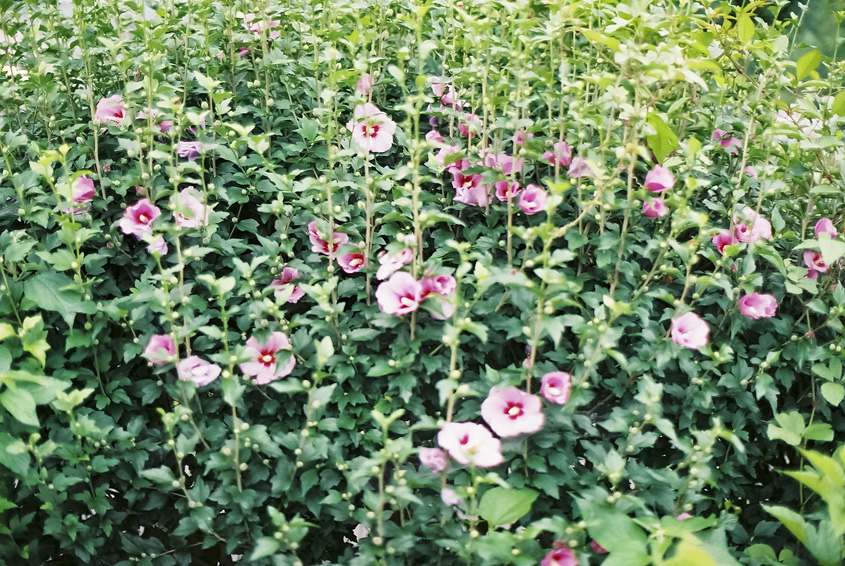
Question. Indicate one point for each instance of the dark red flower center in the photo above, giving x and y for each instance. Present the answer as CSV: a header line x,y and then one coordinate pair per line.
x,y
267,357
371,130
514,410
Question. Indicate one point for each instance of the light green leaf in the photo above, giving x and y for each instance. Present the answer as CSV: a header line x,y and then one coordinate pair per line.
x,y
831,250
744,28
838,106
20,404
833,393
664,141
790,519
264,547
807,64
500,506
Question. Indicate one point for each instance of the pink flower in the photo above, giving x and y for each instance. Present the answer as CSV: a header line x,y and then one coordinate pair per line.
x,y
511,412
263,365
449,497
506,191
684,516
533,200
243,51
469,189
726,140
433,458
597,548
157,246
723,239
321,246
111,109
521,137
579,167
160,349
470,443
823,225
436,138
288,274
189,150
815,261
560,557
655,208
757,305
165,126
257,27
82,189
372,129
444,152
388,265
400,294
659,179
690,331
352,263
561,156
197,370
364,84
138,219
188,210
470,126
504,163
449,99
755,229
556,386
443,285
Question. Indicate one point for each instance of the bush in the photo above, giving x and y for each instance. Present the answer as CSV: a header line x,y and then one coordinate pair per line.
x,y
413,283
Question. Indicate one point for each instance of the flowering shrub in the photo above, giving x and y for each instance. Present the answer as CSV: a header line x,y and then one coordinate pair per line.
x,y
479,282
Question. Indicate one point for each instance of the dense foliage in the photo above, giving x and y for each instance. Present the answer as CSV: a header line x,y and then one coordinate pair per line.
x,y
445,282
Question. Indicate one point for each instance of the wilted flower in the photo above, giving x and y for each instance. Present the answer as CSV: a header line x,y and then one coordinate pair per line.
x,y
758,305
556,386
160,349
82,189
197,370
400,294
690,331
597,548
263,365
659,179
470,443
449,497
138,219
511,412
157,246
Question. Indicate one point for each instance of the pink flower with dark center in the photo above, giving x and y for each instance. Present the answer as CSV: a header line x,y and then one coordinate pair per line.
x,y
556,386
111,109
157,246
138,219
504,163
263,366
823,226
511,412
758,305
690,331
372,129
443,285
533,200
433,458
723,239
469,190
197,370
450,98
470,444
655,208
322,246
815,261
283,284
470,126
560,557
364,84
579,167
561,156
188,210
400,294
189,150
160,349
352,263
506,191
521,137
754,228
659,179
390,264
82,189
597,548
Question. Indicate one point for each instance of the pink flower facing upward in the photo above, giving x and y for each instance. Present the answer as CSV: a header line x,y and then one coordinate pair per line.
x,y
758,305
556,386
284,283
263,366
655,208
138,219
189,150
321,246
470,444
506,191
822,226
111,109
433,458
188,210
690,331
372,129
390,264
364,84
754,228
400,294
352,263
659,179
723,239
815,262
578,168
511,412
561,156
533,200
560,557
197,370
160,349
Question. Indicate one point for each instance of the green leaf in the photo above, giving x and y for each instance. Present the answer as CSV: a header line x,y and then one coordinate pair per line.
x,y
664,141
691,552
159,475
833,393
500,506
20,404
264,547
57,292
13,454
807,64
744,28
325,350
831,250
838,107
6,331
791,428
